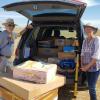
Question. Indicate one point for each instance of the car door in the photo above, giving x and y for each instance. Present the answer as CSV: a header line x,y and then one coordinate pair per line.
x,y
49,10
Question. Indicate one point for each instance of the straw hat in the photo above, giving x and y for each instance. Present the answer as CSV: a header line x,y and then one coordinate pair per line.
x,y
9,21
92,26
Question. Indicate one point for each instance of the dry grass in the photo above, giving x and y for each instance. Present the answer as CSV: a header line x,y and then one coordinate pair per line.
x,y
98,33
18,29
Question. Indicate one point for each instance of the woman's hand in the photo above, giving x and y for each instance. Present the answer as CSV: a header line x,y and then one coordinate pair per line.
x,y
85,68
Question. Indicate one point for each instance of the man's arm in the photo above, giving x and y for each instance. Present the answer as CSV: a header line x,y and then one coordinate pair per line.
x,y
28,27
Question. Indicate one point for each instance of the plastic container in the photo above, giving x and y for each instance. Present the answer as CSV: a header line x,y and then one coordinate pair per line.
x,y
68,49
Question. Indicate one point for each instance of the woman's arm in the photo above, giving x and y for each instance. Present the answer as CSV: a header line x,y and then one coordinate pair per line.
x,y
88,66
95,57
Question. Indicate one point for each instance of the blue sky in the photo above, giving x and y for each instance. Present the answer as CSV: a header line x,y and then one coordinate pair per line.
x,y
91,13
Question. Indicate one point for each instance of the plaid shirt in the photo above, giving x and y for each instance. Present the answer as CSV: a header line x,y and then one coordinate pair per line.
x,y
91,50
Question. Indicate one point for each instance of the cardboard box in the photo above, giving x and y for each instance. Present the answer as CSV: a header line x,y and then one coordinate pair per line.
x,y
53,60
65,42
37,72
66,55
72,42
60,42
60,48
75,43
45,42
68,42
48,52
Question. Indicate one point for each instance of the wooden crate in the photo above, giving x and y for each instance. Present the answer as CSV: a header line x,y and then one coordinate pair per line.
x,y
51,95
28,90
7,95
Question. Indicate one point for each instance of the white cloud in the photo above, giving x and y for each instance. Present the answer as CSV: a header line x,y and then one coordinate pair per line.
x,y
90,2
94,22
18,18
5,14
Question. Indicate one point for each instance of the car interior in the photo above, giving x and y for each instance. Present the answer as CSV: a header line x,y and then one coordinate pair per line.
x,y
44,37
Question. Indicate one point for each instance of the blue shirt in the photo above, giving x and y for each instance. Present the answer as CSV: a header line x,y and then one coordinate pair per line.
x,y
7,46
91,50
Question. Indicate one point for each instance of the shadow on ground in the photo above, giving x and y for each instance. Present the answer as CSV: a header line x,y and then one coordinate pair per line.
x,y
66,92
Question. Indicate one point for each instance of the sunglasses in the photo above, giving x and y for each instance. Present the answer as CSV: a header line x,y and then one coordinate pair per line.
x,y
9,25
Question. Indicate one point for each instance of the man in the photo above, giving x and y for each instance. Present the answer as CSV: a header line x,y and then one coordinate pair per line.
x,y
7,44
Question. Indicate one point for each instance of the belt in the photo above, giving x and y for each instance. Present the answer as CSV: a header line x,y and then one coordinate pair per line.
x,y
5,56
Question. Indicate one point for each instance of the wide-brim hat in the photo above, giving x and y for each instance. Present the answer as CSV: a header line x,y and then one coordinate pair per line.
x,y
9,21
92,26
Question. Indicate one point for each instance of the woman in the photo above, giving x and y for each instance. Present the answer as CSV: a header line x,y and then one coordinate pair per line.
x,y
90,58
7,44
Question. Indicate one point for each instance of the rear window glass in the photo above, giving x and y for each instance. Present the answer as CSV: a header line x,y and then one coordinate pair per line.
x,y
64,33
57,33
67,34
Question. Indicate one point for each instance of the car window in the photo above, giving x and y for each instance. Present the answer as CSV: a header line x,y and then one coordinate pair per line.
x,y
58,33
68,34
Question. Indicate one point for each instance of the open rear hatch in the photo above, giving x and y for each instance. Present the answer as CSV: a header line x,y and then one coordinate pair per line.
x,y
49,10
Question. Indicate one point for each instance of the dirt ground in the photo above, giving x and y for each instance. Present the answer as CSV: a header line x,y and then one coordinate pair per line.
x,y
66,93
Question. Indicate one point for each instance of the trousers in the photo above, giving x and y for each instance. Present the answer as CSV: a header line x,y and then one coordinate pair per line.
x,y
92,78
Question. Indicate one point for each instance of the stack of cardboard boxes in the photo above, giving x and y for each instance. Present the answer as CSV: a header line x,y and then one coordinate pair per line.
x,y
61,43
53,49
67,52
46,48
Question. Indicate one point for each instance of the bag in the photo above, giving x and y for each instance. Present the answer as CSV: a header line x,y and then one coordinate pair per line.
x,y
67,64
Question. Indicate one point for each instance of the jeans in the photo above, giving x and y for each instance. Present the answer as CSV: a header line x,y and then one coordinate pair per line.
x,y
84,78
92,78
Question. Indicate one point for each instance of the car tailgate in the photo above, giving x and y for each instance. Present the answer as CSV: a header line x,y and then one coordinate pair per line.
x,y
44,10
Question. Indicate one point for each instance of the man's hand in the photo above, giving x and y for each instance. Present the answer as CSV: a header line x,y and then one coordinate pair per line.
x,y
29,26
